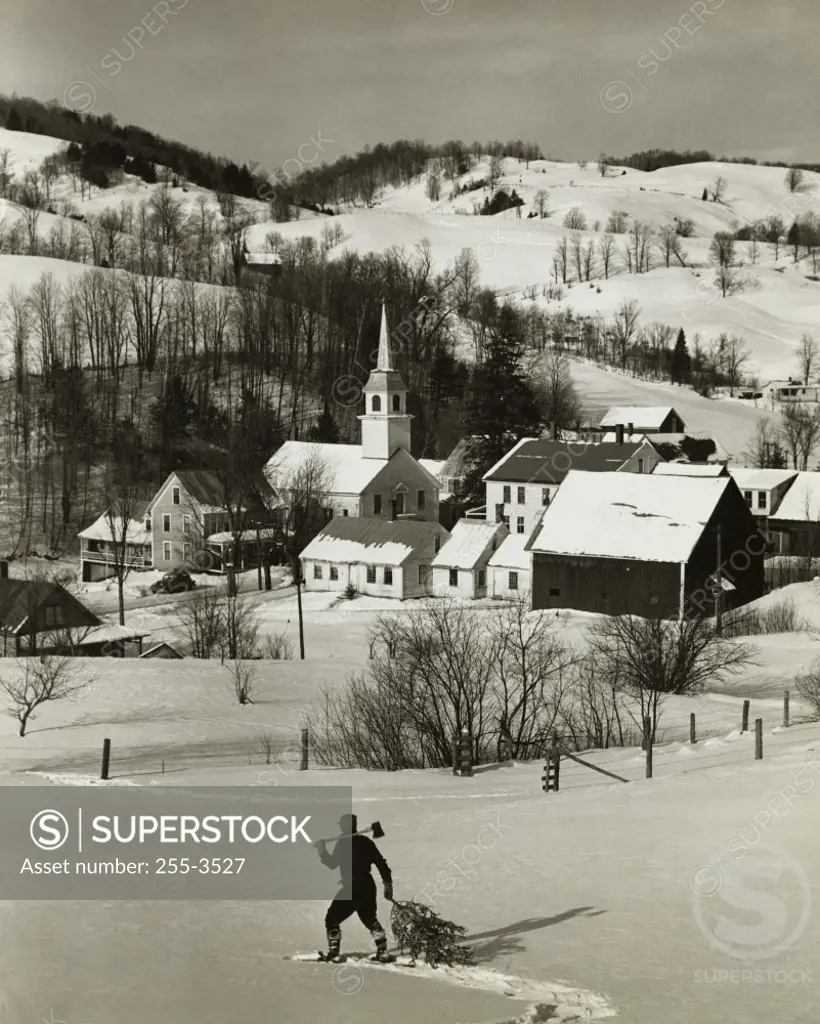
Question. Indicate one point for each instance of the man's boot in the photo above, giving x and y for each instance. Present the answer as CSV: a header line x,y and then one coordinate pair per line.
x,y
334,942
382,956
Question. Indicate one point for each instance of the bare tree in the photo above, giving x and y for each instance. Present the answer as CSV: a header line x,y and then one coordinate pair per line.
x,y
552,381
807,357
42,679
201,622
560,259
724,260
541,203
795,180
242,675
718,190
603,165
801,432
6,173
641,247
606,250
624,327
671,246
617,223
495,172
775,229
649,659
575,219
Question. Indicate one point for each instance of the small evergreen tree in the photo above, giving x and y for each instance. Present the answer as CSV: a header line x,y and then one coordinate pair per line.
x,y
324,430
418,929
705,196
681,370
794,239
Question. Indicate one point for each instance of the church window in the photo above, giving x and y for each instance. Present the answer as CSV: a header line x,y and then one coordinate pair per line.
x,y
396,403
377,404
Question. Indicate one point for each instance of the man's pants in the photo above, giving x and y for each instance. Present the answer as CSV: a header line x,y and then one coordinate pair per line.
x,y
363,903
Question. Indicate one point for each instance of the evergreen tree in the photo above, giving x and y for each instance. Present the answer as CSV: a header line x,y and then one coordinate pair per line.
x,y
681,370
705,196
324,430
14,122
794,239
501,404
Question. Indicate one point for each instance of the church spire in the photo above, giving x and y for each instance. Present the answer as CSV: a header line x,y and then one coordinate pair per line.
x,y
385,359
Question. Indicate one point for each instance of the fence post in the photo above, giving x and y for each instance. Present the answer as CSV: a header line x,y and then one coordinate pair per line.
x,y
693,736
456,753
647,738
503,749
758,739
303,766
744,722
552,769
785,709
466,754
106,758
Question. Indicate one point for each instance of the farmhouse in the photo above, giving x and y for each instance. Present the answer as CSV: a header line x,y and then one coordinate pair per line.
x,y
32,612
460,567
366,480
510,568
645,545
763,490
795,526
380,557
639,419
101,543
522,484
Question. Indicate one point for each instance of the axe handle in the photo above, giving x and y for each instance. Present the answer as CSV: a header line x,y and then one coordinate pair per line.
x,y
361,832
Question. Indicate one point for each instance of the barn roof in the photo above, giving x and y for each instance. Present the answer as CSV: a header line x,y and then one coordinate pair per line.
x,y
628,515
761,479
548,462
709,469
512,554
802,501
469,538
642,417
351,539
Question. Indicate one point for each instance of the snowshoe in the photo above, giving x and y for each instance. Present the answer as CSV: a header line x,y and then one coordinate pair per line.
x,y
330,958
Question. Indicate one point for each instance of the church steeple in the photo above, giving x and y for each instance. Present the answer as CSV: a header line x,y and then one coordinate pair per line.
x,y
385,424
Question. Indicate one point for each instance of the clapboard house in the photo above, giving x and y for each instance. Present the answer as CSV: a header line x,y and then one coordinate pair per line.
x,y
646,545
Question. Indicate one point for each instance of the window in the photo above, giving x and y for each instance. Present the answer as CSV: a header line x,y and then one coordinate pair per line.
x,y
396,403
226,526
377,504
344,511
522,495
399,503
519,525
166,551
555,592
506,521
761,499
334,572
388,576
421,500
148,525
186,524
437,544
371,574
640,465
545,496
317,571
482,578
499,513
166,524
512,581
175,493
454,577
507,495
376,404
748,496
186,551
54,615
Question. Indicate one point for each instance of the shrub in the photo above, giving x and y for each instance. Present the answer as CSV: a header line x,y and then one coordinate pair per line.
x,y
279,647
776,618
808,686
351,592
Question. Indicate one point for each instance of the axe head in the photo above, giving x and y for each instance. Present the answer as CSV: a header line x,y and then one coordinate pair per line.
x,y
378,831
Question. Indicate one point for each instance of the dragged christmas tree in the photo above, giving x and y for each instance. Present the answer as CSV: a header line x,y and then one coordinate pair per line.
x,y
420,931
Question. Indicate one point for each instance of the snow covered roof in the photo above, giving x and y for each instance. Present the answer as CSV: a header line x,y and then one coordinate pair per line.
x,y
802,501
348,471
469,538
628,515
512,554
642,417
352,540
710,469
226,537
761,479
110,632
101,529
433,466
685,447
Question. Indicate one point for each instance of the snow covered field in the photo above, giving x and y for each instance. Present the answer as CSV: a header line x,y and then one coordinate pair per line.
x,y
598,897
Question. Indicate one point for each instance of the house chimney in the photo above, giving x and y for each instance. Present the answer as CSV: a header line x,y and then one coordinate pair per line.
x,y
631,429
393,510
619,433
4,570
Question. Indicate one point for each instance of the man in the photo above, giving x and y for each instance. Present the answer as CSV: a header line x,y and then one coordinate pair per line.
x,y
356,856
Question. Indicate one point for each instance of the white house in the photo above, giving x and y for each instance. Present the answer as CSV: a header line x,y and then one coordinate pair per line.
x,y
791,391
510,568
100,544
525,481
763,489
380,557
460,567
379,477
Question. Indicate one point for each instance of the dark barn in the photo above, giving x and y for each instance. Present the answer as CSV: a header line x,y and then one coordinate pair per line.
x,y
32,610
625,544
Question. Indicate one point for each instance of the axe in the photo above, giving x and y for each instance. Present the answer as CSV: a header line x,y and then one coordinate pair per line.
x,y
375,828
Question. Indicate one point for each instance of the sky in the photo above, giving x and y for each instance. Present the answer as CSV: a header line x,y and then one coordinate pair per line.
x,y
270,81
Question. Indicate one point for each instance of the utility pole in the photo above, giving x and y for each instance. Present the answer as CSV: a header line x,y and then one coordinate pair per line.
x,y
719,585
298,566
